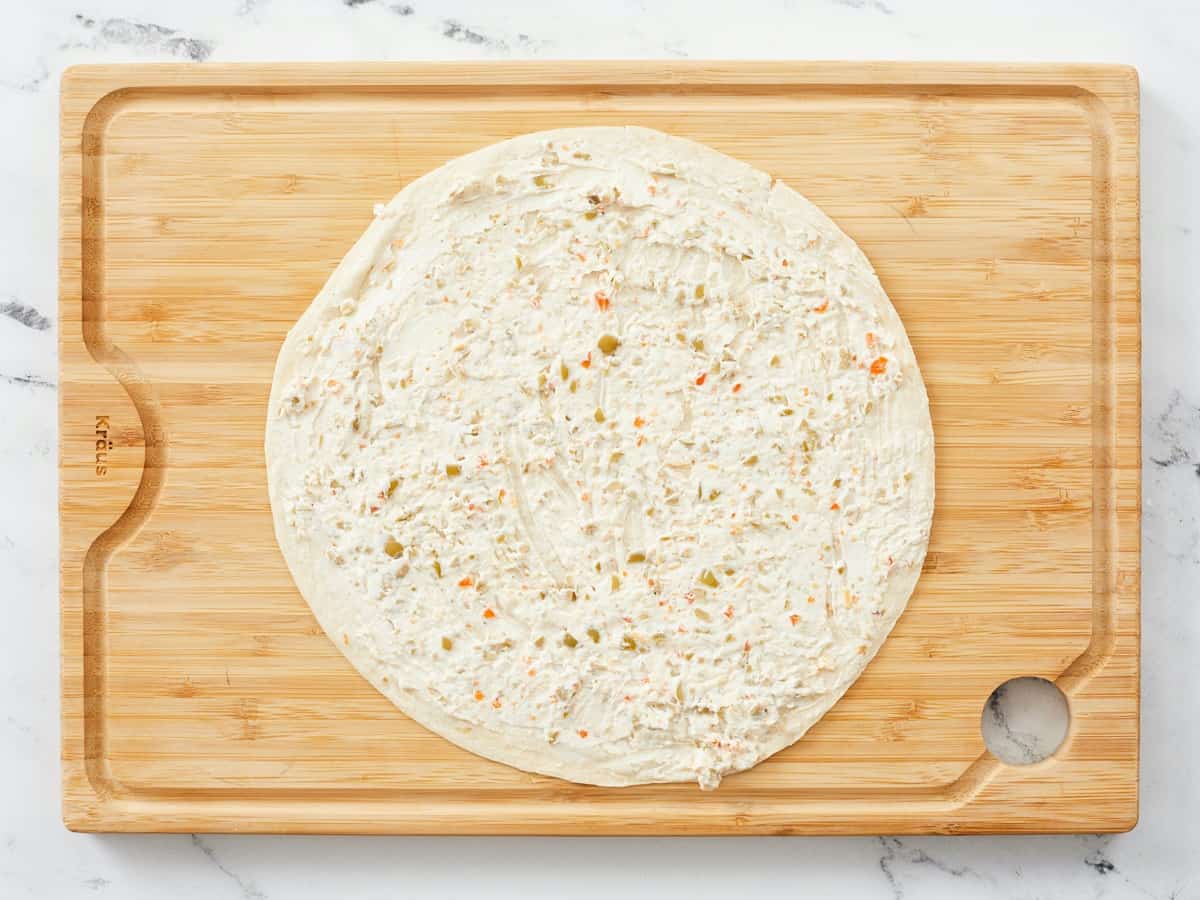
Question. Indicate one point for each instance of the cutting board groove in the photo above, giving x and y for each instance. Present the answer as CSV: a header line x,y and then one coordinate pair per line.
x,y
201,209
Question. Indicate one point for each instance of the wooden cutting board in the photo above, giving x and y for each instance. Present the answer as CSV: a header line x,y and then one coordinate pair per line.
x,y
202,208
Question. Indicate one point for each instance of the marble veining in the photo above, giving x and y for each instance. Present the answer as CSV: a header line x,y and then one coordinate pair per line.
x,y
1159,860
30,380
875,5
1024,743
26,315
248,889
897,854
1174,438
116,31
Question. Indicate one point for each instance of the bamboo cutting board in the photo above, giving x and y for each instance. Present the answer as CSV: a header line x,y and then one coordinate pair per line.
x,y
202,208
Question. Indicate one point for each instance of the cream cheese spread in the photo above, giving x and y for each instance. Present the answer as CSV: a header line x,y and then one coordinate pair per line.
x,y
604,455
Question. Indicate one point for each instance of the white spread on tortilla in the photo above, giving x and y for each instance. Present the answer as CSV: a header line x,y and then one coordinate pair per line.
x,y
604,456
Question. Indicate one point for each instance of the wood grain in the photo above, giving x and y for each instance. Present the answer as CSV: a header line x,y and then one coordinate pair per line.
x,y
203,206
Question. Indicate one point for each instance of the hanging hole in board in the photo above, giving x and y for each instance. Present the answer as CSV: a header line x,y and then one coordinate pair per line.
x,y
1025,720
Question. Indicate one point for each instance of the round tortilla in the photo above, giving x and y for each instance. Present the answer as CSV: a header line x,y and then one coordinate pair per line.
x,y
605,456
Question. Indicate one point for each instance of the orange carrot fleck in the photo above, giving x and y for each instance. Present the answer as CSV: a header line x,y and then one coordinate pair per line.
x,y
489,613
737,388
587,361
746,647
870,339
466,582
478,695
795,517
794,618
602,301
879,366
638,422
703,377
824,306
834,505
583,732
532,672
812,599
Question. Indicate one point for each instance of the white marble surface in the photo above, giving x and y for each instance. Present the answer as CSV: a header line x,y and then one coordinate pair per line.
x,y
38,858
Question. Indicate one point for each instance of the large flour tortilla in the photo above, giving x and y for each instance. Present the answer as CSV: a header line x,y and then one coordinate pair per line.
x,y
604,456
